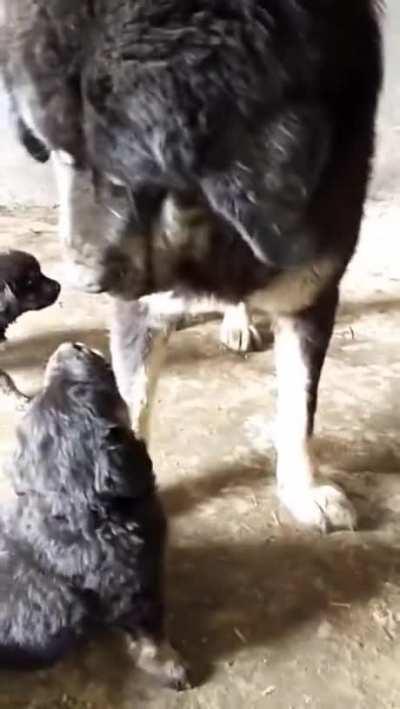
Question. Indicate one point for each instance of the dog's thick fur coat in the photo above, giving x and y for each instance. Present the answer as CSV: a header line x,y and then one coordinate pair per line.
x,y
82,544
209,150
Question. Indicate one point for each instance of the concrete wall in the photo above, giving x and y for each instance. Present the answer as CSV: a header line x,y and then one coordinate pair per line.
x,y
26,182
387,168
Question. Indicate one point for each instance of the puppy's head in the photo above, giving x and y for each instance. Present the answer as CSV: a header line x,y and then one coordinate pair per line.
x,y
23,286
76,438
75,362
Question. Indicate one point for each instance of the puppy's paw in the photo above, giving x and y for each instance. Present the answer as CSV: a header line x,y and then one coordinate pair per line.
x,y
161,661
9,392
22,403
175,675
325,508
237,332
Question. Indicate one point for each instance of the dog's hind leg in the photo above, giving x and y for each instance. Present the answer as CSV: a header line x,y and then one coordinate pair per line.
x,y
301,342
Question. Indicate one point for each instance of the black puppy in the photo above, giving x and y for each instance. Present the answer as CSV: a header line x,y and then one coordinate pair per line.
x,y
23,287
82,544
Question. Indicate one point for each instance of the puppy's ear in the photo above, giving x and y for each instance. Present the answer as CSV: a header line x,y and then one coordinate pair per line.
x,y
123,467
8,303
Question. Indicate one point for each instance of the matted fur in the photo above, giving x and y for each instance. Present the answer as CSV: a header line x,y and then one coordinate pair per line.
x,y
82,544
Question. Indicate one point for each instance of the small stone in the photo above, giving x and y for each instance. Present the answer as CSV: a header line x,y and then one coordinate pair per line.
x,y
325,630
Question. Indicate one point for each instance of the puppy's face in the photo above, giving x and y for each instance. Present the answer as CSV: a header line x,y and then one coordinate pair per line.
x,y
23,286
92,446
73,361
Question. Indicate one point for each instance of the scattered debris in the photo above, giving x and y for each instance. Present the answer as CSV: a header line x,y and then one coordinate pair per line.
x,y
275,519
386,619
240,635
268,690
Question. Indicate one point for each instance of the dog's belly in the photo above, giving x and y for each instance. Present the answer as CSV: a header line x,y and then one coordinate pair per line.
x,y
206,269
285,294
292,291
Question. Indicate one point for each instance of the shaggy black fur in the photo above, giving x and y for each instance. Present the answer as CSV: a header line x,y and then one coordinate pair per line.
x,y
82,546
261,110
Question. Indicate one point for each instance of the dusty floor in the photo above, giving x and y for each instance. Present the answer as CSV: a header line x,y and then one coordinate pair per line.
x,y
268,616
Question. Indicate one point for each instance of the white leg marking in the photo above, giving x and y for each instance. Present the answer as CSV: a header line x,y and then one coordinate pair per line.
x,y
139,389
325,507
237,331
139,335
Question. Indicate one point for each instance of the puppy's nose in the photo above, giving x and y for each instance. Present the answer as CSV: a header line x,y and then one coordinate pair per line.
x,y
52,288
56,287
80,347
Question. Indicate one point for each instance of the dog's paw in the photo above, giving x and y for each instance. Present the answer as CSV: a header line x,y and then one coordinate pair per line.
x,y
325,508
237,332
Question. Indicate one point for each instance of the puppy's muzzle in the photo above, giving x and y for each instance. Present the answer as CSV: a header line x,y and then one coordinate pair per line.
x,y
50,291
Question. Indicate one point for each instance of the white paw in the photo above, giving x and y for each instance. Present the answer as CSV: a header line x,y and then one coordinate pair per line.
x,y
162,662
237,332
23,403
174,675
325,508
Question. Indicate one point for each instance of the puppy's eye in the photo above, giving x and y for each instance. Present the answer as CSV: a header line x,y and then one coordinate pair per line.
x,y
30,281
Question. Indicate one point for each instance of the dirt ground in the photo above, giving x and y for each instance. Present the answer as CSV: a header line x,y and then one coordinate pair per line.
x,y
266,615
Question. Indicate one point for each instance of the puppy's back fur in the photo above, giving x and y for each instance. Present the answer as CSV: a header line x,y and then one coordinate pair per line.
x,y
82,543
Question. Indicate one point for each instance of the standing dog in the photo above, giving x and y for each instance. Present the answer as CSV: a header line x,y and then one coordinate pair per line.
x,y
23,287
82,545
205,152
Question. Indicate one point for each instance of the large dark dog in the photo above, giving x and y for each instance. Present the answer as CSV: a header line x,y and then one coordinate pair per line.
x,y
82,544
23,287
206,151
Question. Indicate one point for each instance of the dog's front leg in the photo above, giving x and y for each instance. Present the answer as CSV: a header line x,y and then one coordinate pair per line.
x,y
87,228
301,342
139,334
